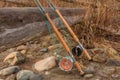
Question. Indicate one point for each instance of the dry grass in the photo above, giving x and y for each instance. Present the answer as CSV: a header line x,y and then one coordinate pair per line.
x,y
100,13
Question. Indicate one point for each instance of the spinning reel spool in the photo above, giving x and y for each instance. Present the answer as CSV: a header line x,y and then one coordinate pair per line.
x,y
77,51
66,63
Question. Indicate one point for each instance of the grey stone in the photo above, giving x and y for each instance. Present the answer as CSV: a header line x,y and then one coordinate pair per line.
x,y
112,62
9,70
11,77
24,75
36,77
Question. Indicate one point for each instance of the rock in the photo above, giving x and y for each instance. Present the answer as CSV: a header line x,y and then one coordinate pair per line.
x,y
100,57
36,77
47,73
30,56
22,47
11,77
14,58
88,76
44,50
45,64
113,62
9,70
24,75
115,76
106,71
23,51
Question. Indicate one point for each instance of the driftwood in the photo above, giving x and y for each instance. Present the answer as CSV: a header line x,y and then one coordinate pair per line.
x,y
18,25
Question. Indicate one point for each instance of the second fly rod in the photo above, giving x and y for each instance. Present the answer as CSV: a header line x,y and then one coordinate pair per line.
x,y
68,27
46,15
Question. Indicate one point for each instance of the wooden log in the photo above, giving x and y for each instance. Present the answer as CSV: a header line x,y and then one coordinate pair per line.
x,y
18,25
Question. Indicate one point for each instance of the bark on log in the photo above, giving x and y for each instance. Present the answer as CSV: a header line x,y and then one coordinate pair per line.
x,y
18,25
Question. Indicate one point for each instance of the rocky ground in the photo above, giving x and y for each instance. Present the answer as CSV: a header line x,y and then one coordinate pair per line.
x,y
27,62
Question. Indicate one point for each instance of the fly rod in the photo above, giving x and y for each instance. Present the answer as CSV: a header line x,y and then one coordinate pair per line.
x,y
46,15
69,29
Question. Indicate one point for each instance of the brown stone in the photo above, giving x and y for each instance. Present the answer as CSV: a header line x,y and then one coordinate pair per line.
x,y
14,58
45,64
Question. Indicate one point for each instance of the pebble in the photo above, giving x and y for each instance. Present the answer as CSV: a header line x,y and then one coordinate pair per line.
x,y
88,76
47,73
9,70
30,56
23,51
115,76
14,58
45,64
22,47
24,75
44,50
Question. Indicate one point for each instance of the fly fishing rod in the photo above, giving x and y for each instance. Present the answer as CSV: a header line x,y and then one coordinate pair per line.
x,y
70,30
47,17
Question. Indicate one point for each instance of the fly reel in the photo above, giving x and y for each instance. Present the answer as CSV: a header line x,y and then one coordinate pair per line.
x,y
77,51
66,63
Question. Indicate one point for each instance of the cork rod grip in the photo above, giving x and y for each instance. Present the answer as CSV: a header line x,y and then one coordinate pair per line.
x,y
79,68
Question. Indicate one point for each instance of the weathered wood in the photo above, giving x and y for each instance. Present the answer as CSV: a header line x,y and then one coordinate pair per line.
x,y
18,25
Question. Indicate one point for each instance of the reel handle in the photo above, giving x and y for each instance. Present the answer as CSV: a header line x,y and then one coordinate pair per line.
x,y
79,68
